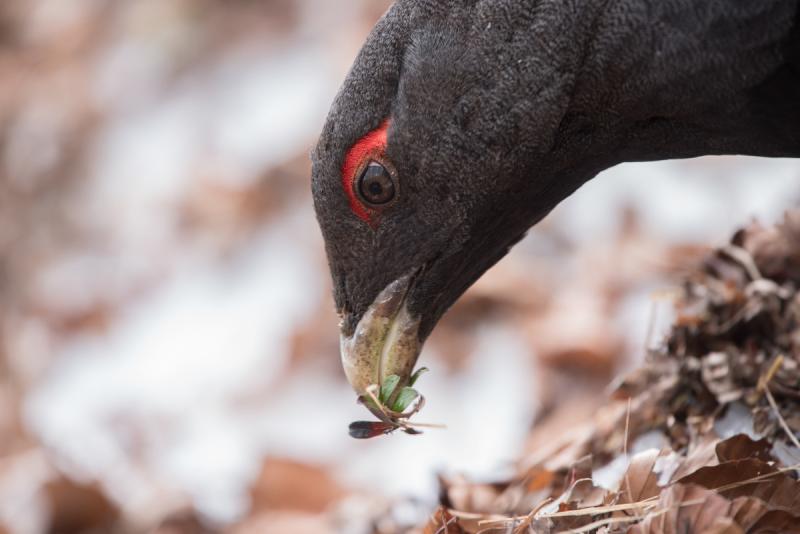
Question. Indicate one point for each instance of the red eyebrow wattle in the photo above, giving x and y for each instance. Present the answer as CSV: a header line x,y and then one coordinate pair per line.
x,y
373,143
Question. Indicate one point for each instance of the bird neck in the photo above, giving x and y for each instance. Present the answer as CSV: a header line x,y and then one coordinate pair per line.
x,y
661,79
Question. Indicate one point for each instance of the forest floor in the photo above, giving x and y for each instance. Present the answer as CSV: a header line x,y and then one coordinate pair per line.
x,y
701,438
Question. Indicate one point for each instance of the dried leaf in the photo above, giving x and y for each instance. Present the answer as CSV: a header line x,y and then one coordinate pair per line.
x,y
641,481
464,496
702,454
688,509
290,485
285,522
727,473
183,522
443,522
741,447
77,507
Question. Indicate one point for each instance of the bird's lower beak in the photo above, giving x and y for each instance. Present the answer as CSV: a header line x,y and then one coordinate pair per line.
x,y
385,341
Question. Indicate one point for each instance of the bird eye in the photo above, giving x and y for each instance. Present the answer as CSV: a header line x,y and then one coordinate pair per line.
x,y
376,184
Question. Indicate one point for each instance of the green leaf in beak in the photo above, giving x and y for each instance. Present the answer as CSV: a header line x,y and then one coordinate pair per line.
x,y
388,387
418,373
404,399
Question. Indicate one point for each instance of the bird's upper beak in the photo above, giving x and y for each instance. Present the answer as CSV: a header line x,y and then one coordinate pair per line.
x,y
385,341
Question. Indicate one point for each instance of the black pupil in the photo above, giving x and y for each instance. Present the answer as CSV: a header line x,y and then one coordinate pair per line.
x,y
375,184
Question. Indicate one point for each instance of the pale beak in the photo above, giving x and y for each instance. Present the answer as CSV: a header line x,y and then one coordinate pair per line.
x,y
385,341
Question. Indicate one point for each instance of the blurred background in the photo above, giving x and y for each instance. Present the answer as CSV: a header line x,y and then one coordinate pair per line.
x,y
168,347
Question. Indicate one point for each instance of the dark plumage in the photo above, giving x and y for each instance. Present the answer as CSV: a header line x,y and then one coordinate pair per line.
x,y
499,109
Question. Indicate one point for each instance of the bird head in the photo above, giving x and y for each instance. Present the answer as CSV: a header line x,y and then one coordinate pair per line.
x,y
426,173
461,124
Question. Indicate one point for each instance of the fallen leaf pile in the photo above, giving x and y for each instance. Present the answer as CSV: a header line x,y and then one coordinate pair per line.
x,y
701,438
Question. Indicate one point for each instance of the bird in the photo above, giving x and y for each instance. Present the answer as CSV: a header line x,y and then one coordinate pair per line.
x,y
462,123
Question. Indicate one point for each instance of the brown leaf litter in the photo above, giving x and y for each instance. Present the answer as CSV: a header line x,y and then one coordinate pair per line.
x,y
701,438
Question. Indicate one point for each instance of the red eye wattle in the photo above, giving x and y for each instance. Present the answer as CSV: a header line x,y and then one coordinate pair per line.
x,y
372,145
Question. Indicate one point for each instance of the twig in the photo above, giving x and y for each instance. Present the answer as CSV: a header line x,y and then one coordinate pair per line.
x,y
625,450
392,416
445,524
759,478
781,420
644,503
612,520
608,521
594,510
766,378
651,326
763,386
526,522
627,428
